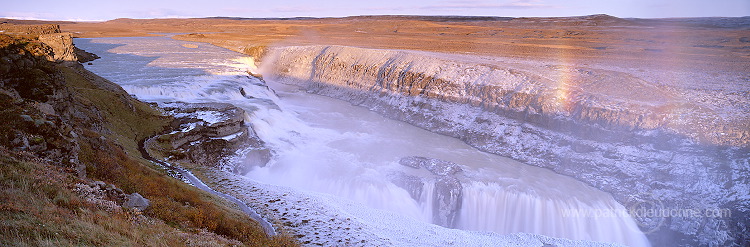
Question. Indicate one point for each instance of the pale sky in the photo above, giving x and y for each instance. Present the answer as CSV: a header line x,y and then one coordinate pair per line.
x,y
109,9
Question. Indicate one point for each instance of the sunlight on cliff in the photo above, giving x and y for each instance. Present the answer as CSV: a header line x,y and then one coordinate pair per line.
x,y
247,64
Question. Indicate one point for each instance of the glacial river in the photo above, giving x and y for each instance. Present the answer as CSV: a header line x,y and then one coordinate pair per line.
x,y
324,145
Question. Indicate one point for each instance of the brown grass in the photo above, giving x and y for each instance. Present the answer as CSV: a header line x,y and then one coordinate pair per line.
x,y
631,44
37,208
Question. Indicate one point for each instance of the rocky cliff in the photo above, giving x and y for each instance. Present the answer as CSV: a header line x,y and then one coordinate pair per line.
x,y
61,43
685,147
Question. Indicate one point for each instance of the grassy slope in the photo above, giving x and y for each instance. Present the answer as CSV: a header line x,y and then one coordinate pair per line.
x,y
38,206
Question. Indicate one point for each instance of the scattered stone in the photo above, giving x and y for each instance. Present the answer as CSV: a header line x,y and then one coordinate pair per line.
x,y
27,118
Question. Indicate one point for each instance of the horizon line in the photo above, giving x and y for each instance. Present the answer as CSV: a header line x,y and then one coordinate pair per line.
x,y
350,16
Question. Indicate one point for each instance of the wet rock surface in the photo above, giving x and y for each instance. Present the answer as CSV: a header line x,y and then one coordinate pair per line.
x,y
209,133
447,192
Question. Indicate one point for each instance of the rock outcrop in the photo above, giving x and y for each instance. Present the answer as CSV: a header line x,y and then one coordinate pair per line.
x,y
613,130
447,193
209,133
62,46
37,104
61,43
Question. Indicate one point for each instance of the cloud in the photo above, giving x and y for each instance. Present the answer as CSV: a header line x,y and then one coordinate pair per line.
x,y
298,9
28,15
464,5
157,13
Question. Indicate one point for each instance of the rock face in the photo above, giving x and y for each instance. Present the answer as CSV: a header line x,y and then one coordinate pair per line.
x,y
613,130
61,43
37,104
446,200
207,133
62,46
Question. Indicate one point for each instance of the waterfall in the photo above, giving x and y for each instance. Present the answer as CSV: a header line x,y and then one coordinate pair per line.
x,y
324,145
489,207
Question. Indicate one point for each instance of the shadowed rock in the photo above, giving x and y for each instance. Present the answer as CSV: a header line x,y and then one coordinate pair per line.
x,y
446,203
447,193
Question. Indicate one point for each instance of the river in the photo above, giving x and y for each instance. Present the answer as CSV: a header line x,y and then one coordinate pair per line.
x,y
324,145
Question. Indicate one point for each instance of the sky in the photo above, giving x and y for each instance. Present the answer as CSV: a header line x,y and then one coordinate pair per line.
x,y
99,10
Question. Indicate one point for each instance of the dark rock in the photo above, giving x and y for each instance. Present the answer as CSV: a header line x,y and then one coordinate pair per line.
x,y
411,184
254,157
83,56
98,184
447,193
446,204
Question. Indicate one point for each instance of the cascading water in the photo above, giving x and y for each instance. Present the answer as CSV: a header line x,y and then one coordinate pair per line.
x,y
325,145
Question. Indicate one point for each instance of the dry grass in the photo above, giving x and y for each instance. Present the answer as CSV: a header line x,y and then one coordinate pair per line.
x,y
629,43
37,208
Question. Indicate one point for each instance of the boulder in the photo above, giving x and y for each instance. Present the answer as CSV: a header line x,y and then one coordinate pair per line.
x,y
411,184
136,201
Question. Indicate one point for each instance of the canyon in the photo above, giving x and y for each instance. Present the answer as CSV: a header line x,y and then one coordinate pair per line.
x,y
633,138
653,112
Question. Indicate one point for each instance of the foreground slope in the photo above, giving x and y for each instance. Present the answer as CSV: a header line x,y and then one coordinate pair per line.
x,y
70,163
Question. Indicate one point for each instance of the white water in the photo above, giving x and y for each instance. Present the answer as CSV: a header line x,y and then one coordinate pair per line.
x,y
329,146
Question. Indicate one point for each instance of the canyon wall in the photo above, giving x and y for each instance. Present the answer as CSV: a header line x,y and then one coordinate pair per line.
x,y
646,143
